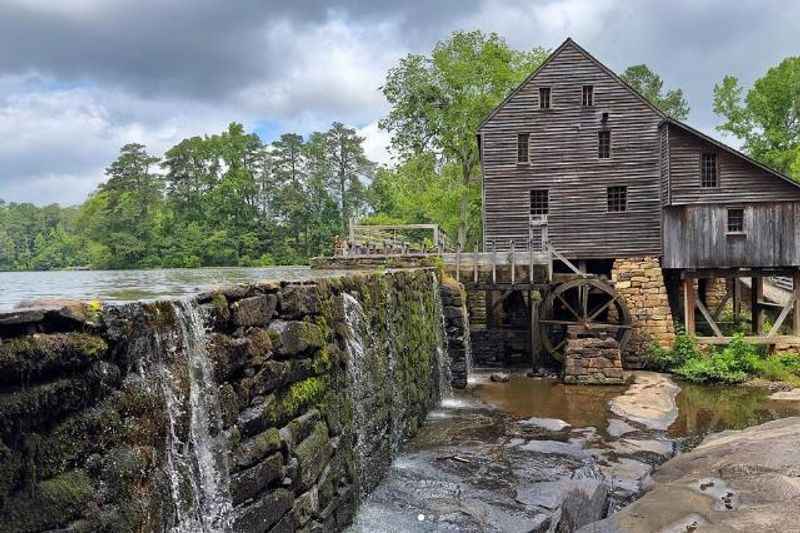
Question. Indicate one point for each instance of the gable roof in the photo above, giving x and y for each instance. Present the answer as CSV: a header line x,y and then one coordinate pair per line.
x,y
722,146
550,58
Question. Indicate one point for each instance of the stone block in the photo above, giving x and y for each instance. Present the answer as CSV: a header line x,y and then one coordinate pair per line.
x,y
249,483
295,337
297,301
254,311
263,513
313,454
252,450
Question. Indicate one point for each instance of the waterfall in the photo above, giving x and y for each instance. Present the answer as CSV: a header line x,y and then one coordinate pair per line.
x,y
442,358
196,458
374,379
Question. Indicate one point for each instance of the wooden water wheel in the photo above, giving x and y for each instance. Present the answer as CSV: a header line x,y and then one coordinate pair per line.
x,y
589,305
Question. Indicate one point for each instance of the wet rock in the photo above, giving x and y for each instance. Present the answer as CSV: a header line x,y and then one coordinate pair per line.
x,y
549,424
789,396
33,357
299,301
253,450
554,447
249,483
295,337
500,377
254,311
305,507
617,428
734,481
650,401
657,450
264,513
313,454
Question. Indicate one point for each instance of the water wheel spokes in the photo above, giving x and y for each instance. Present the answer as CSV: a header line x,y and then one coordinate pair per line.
x,y
589,305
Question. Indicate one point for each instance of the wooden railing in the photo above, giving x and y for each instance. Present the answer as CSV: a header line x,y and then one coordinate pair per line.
x,y
394,239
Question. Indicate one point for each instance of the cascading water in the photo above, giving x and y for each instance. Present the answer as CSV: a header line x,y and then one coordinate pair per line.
x,y
196,462
377,365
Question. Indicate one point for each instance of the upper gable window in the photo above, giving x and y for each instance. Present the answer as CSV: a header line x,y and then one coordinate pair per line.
x,y
604,144
522,147
709,172
588,95
544,97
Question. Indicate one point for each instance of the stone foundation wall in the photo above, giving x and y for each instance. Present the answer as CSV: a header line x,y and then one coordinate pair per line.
x,y
640,282
276,406
489,347
592,361
457,327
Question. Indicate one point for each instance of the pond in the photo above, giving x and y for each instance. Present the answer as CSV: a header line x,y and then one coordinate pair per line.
x,y
131,285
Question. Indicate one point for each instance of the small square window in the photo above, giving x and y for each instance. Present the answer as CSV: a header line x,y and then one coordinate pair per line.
x,y
735,220
604,144
709,174
544,97
540,202
588,95
522,147
617,199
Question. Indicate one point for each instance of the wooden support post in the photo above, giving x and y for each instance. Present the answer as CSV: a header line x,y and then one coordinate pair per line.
x,y
702,290
490,317
737,300
688,306
796,291
458,264
533,337
513,264
756,295
494,264
475,266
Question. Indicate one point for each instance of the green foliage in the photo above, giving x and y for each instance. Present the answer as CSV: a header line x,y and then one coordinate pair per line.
x,y
651,86
438,101
767,119
220,200
734,363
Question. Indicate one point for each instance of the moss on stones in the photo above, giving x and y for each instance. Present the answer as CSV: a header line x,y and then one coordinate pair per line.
x,y
38,356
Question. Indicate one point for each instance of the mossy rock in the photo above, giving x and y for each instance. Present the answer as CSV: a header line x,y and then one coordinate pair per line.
x,y
53,503
38,356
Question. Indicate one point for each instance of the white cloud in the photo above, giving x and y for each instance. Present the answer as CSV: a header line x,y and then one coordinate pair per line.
x,y
376,142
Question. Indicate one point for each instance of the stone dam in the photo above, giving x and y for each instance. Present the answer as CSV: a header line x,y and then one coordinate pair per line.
x,y
262,407
348,403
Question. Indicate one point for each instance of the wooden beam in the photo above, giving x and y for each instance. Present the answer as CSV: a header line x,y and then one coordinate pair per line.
x,y
756,295
796,291
721,305
737,272
777,339
784,313
688,306
702,307
737,300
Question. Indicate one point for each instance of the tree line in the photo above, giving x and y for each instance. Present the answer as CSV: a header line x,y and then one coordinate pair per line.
x,y
231,199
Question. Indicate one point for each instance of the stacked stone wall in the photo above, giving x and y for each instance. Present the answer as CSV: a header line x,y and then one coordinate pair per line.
x,y
592,361
86,426
457,327
640,282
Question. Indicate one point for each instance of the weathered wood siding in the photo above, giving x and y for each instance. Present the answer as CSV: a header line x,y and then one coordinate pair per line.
x,y
563,151
696,236
663,143
739,180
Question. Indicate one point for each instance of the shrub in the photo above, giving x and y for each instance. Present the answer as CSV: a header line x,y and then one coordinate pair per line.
x,y
733,364
683,349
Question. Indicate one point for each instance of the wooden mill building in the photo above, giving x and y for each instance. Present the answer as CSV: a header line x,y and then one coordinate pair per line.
x,y
624,190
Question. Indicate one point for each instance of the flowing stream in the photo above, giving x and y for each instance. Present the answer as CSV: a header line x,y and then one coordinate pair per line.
x,y
196,462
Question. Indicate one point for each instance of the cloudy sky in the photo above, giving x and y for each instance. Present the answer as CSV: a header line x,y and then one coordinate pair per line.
x,y
80,78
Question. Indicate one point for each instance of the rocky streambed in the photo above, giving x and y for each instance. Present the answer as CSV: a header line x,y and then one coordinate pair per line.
x,y
535,455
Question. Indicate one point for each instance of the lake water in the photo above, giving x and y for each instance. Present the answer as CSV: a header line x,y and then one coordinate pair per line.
x,y
130,285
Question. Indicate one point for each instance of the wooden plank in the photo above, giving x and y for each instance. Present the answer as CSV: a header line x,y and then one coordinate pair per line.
x,y
760,339
688,306
756,295
796,292
709,319
781,317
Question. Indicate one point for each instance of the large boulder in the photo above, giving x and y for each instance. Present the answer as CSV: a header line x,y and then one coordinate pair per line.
x,y
745,480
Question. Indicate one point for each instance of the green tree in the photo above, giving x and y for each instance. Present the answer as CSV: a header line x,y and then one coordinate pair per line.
x,y
438,101
767,119
651,86
349,165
